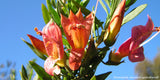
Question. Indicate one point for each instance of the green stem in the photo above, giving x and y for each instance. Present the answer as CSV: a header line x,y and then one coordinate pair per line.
x,y
69,70
100,39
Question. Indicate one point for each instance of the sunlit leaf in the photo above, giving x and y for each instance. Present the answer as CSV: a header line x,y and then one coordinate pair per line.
x,y
40,71
54,14
23,73
45,14
104,7
94,78
130,2
53,2
84,3
134,13
108,3
114,4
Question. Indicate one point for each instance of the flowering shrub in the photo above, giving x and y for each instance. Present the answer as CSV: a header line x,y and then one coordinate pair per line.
x,y
71,39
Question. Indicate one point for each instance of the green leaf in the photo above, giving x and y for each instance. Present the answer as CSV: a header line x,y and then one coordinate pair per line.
x,y
64,9
54,14
40,71
103,76
45,14
84,3
78,1
108,3
22,78
65,42
134,13
23,73
30,70
114,4
130,2
94,78
53,2
101,54
104,7
35,50
30,75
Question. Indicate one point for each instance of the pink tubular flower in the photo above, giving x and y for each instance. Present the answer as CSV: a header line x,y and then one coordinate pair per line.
x,y
115,23
131,47
52,38
77,30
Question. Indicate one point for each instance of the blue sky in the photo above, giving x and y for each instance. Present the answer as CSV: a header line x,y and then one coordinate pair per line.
x,y
20,17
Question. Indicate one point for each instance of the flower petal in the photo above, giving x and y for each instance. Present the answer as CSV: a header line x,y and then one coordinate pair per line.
x,y
124,48
88,22
75,58
50,67
73,18
66,27
79,15
52,38
77,29
38,44
141,33
136,55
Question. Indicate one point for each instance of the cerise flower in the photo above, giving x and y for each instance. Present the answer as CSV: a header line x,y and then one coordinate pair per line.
x,y
131,47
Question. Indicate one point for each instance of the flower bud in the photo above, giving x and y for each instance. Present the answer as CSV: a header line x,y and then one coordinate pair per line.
x,y
115,24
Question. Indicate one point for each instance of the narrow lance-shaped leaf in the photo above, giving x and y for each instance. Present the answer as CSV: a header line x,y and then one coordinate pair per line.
x,y
114,4
103,76
30,70
23,73
108,3
22,78
53,2
130,2
40,71
84,3
134,13
93,78
45,14
104,7
35,51
31,74
54,14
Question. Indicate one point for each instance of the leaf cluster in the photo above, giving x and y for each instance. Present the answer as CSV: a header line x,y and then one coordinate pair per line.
x,y
94,55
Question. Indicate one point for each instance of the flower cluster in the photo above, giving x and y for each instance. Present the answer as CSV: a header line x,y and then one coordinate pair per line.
x,y
74,30
77,30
